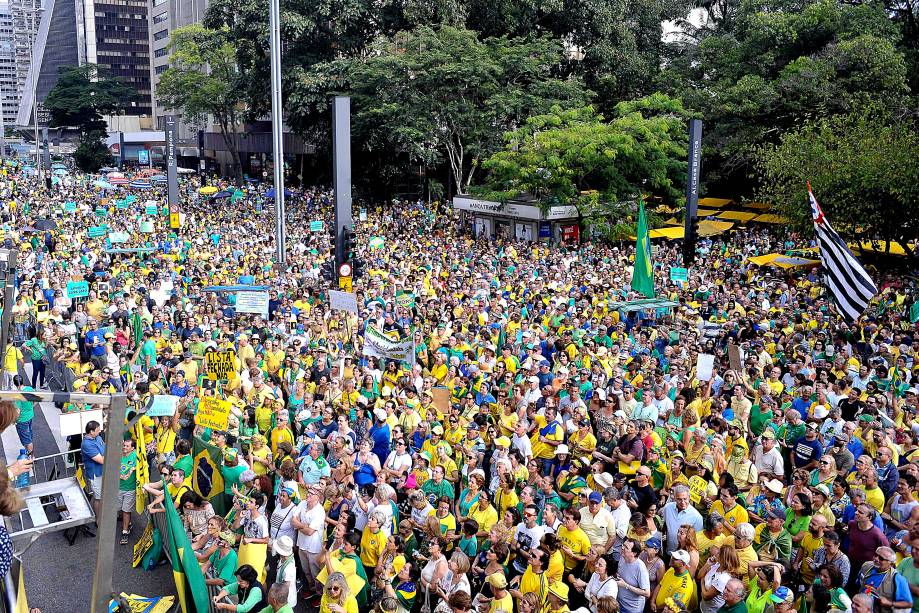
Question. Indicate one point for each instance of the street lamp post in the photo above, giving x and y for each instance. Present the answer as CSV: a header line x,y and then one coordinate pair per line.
x,y
277,130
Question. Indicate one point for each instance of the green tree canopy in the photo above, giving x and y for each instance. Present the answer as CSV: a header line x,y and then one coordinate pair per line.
x,y
79,99
447,95
863,167
202,81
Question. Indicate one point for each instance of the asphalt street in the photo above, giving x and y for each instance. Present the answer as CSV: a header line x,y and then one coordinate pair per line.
x,y
59,577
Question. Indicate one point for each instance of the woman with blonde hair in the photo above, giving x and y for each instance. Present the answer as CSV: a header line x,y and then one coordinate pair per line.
x,y
336,597
686,540
529,603
455,580
722,566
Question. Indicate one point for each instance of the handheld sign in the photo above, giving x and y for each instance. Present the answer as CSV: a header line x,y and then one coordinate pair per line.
x,y
146,227
317,226
252,302
70,207
220,365
679,274
150,208
97,231
163,405
77,289
118,237
213,413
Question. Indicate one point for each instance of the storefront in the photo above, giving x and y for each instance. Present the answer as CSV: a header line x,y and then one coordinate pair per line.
x,y
519,220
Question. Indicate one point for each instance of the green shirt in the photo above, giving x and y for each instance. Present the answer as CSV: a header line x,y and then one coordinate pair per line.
x,y
254,597
908,569
225,567
26,407
759,419
185,463
444,488
128,465
231,477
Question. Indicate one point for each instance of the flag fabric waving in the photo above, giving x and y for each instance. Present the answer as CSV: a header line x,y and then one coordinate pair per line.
x,y
642,272
850,283
190,585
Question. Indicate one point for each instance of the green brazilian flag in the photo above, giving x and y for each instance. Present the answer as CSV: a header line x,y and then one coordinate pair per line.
x,y
206,478
190,585
643,271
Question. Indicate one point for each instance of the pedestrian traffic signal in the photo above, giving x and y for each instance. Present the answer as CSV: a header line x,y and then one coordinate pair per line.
x,y
357,268
328,271
347,244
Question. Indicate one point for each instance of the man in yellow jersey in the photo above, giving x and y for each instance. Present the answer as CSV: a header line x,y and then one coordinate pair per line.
x,y
677,583
726,506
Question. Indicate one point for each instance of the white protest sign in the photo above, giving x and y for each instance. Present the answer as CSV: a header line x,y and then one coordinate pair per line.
x,y
705,364
343,301
252,302
379,345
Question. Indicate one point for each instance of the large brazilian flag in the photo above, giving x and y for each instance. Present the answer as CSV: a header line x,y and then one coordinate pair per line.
x,y
190,585
206,478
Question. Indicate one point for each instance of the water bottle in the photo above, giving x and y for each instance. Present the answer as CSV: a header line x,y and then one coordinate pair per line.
x,y
23,479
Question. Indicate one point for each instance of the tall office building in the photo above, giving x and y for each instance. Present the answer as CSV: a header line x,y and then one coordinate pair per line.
x,y
167,16
26,16
9,87
111,33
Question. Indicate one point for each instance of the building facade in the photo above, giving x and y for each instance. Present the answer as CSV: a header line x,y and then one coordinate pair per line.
x,y
166,16
26,16
111,33
9,86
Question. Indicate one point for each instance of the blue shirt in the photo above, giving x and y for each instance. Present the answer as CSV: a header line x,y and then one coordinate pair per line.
x,y
380,437
96,335
90,448
674,518
875,578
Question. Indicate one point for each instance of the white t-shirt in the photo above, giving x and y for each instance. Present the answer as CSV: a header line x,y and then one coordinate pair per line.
x,y
280,523
289,575
719,580
315,519
526,539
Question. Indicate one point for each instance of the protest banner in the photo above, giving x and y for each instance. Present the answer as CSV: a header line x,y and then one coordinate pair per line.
x,y
379,345
163,405
441,399
70,207
317,226
146,227
77,289
252,302
150,208
220,365
679,274
142,546
705,364
213,413
97,231
697,487
118,237
406,300
343,301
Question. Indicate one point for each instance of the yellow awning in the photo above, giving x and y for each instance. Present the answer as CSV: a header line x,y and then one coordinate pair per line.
x,y
895,248
709,228
706,212
781,260
737,215
718,203
207,190
672,221
759,206
672,232
770,218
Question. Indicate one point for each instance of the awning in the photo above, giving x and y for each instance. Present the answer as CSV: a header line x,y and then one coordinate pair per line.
x,y
672,232
706,212
759,206
770,218
718,203
895,248
710,228
781,260
737,215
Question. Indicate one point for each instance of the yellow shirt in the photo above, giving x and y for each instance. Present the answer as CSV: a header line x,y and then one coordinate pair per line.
x,y
372,546
808,546
736,516
505,500
531,583
576,540
677,586
544,450
486,518
350,605
556,567
258,468
875,497
12,359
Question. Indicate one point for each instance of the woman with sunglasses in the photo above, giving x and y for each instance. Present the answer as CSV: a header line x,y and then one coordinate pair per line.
x,y
336,596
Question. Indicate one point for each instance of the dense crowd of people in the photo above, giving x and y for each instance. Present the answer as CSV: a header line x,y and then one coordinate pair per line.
x,y
547,449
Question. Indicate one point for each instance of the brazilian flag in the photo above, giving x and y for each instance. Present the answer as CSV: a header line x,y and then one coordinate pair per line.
x,y
206,478
190,585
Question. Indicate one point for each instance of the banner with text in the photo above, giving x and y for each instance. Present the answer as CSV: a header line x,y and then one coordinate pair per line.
x,y
379,345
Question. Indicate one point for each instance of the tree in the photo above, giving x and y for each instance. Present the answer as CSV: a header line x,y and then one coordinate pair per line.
x,y
445,94
575,156
755,69
79,99
202,82
863,167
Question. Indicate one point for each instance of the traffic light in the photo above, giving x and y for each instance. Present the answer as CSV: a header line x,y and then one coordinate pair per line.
x,y
357,268
328,271
348,244
689,242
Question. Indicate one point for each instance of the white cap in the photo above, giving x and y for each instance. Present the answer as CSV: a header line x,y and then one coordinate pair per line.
x,y
380,414
820,411
680,555
562,449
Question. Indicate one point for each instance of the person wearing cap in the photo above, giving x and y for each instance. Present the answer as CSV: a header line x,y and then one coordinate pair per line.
x,y
770,497
501,597
807,449
380,435
677,582
558,598
220,568
286,572
767,457
838,449
598,523
771,540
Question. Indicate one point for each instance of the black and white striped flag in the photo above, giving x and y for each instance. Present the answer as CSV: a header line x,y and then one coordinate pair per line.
x,y
852,288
